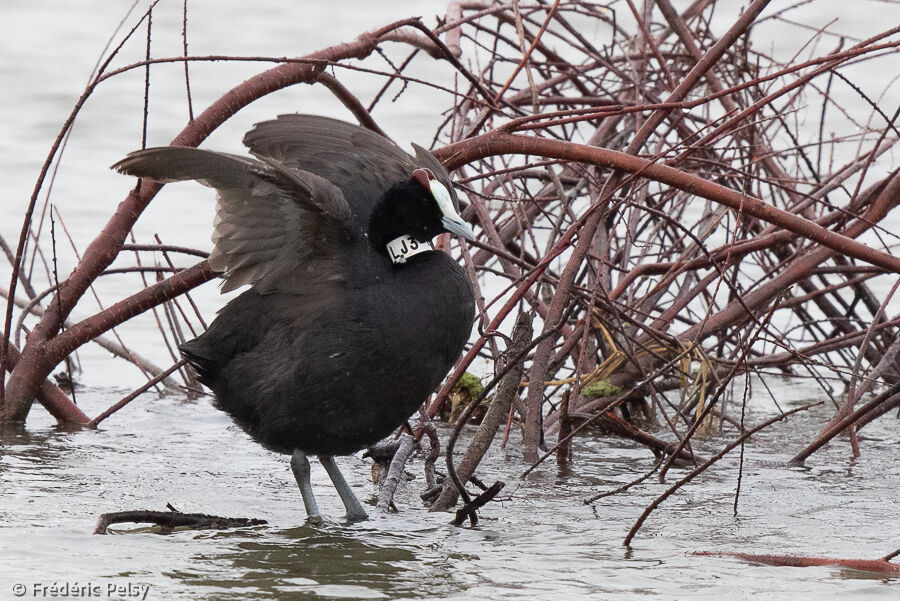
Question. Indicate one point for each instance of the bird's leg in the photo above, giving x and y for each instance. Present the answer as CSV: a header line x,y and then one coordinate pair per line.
x,y
354,508
300,467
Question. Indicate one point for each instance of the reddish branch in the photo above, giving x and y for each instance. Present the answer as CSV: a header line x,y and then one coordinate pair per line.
x,y
882,565
888,397
494,143
55,400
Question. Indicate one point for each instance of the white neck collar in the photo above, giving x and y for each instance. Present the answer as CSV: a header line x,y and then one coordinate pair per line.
x,y
400,249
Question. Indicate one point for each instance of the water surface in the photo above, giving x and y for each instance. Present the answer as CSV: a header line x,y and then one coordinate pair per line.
x,y
538,542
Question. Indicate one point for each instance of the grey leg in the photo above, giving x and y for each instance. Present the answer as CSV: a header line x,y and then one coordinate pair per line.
x,y
300,467
354,508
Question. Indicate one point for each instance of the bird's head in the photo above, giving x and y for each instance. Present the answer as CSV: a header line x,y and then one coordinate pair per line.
x,y
440,197
413,212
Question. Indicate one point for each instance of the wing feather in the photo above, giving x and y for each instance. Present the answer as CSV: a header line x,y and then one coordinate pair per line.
x,y
285,218
361,163
274,226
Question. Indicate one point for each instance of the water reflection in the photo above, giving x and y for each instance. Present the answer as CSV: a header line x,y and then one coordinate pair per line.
x,y
331,561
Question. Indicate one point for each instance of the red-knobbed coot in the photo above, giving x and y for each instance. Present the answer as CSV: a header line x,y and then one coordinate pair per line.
x,y
352,318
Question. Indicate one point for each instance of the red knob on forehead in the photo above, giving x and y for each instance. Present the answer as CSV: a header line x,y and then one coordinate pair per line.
x,y
424,177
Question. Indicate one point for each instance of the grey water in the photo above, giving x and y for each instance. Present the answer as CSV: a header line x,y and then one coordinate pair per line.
x,y
539,541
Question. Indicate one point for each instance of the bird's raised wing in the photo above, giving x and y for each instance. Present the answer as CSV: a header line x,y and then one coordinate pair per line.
x,y
361,162
275,226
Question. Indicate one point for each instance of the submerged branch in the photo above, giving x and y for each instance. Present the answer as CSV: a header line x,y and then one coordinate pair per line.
x,y
169,520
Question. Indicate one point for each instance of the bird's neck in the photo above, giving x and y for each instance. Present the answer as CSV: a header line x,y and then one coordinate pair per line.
x,y
402,247
391,231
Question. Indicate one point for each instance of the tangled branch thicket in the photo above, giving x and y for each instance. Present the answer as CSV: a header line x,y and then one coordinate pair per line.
x,y
665,206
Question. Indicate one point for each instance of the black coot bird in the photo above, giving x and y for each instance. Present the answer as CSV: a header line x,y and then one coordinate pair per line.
x,y
352,318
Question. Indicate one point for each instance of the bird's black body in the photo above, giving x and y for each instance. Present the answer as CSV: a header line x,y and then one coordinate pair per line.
x,y
334,345
341,377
